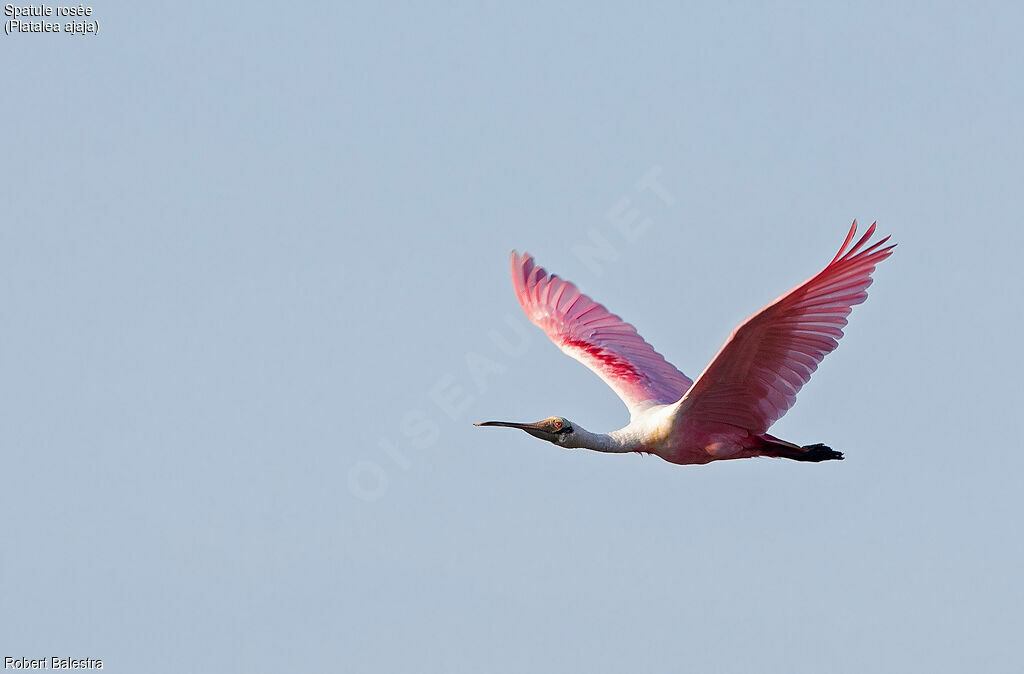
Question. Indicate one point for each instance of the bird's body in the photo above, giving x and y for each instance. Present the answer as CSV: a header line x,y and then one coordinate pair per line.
x,y
726,412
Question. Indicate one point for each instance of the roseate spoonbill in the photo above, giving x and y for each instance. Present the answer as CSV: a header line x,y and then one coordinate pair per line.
x,y
747,387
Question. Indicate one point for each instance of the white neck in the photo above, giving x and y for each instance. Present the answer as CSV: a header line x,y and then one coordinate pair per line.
x,y
602,442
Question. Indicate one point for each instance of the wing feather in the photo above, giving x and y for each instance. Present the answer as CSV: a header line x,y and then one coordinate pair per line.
x,y
602,341
756,375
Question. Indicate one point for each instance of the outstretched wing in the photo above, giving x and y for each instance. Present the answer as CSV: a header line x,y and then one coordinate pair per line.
x,y
602,341
755,377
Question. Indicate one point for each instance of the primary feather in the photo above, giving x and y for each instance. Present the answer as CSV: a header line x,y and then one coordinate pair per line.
x,y
756,375
602,341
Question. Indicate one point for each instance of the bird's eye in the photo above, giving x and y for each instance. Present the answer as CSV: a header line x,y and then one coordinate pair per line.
x,y
558,424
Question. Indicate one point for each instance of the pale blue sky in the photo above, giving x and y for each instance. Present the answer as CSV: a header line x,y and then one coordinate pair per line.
x,y
246,250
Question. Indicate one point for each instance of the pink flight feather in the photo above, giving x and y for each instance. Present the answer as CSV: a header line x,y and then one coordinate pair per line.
x,y
602,341
756,375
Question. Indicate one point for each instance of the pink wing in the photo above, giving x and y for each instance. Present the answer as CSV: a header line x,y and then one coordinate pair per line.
x,y
602,341
755,377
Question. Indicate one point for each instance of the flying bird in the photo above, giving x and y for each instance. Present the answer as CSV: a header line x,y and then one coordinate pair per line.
x,y
748,386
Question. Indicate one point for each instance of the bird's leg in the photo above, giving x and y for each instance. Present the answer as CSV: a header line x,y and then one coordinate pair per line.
x,y
787,450
817,452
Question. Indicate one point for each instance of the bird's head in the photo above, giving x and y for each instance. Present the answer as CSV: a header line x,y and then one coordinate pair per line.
x,y
553,429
